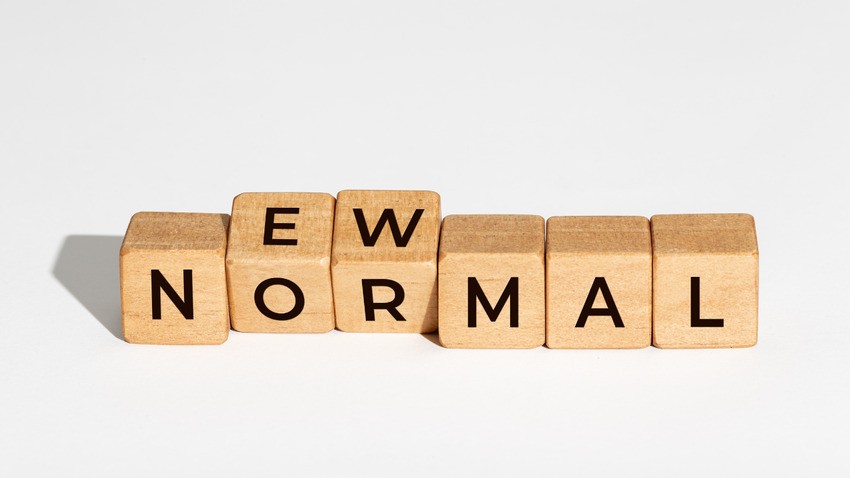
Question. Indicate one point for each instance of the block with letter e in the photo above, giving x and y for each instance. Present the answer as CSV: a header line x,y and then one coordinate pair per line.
x,y
598,282
384,261
705,281
173,283
278,262
492,274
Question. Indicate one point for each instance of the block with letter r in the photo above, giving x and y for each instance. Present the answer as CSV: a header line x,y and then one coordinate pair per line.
x,y
384,261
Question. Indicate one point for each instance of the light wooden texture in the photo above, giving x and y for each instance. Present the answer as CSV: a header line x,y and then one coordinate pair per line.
x,y
413,266
722,251
172,243
578,251
305,263
492,249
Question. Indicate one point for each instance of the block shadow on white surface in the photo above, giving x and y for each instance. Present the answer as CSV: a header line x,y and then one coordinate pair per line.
x,y
88,268
433,337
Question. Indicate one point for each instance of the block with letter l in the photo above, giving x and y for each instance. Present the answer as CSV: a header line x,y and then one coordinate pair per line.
x,y
705,281
173,283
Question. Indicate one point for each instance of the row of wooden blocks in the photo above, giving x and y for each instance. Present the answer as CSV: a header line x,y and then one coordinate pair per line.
x,y
386,261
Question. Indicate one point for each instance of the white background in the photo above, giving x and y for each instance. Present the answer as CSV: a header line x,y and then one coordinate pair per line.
x,y
550,108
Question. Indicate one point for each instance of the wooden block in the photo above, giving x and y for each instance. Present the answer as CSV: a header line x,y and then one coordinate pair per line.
x,y
278,262
384,263
705,281
173,284
492,291
598,282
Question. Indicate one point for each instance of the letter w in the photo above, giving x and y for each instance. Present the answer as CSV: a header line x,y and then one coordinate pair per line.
x,y
388,216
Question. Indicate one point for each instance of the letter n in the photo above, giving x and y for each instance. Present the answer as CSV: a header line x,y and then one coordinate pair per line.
x,y
159,285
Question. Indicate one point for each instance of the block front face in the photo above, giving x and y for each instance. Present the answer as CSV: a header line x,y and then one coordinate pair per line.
x,y
384,261
491,285
705,281
598,282
278,262
173,284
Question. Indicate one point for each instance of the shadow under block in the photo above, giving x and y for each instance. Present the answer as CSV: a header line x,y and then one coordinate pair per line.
x,y
492,274
384,262
705,281
598,282
278,262
173,284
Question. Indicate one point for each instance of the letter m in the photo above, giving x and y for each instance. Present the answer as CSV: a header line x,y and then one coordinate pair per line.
x,y
475,295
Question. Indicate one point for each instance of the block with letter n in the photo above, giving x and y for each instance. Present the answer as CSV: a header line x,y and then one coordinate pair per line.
x,y
173,282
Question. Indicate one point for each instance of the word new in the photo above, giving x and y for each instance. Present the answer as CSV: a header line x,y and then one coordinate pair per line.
x,y
387,261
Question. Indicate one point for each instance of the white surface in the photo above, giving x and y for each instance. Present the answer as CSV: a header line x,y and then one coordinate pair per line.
x,y
107,108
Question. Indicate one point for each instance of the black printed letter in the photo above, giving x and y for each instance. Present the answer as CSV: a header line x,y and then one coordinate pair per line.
x,y
599,285
369,301
695,320
475,294
268,234
259,299
388,215
158,283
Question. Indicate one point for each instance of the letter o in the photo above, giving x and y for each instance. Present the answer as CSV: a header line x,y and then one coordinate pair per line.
x,y
259,299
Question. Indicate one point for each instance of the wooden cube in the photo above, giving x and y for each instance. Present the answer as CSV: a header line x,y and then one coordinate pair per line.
x,y
492,281
278,262
705,281
384,262
598,282
173,284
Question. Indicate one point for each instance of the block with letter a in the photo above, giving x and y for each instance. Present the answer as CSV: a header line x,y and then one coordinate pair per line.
x,y
598,282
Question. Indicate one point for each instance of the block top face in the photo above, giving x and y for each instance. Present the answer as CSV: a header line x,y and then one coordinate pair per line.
x,y
598,235
176,231
704,234
348,243
492,234
311,226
